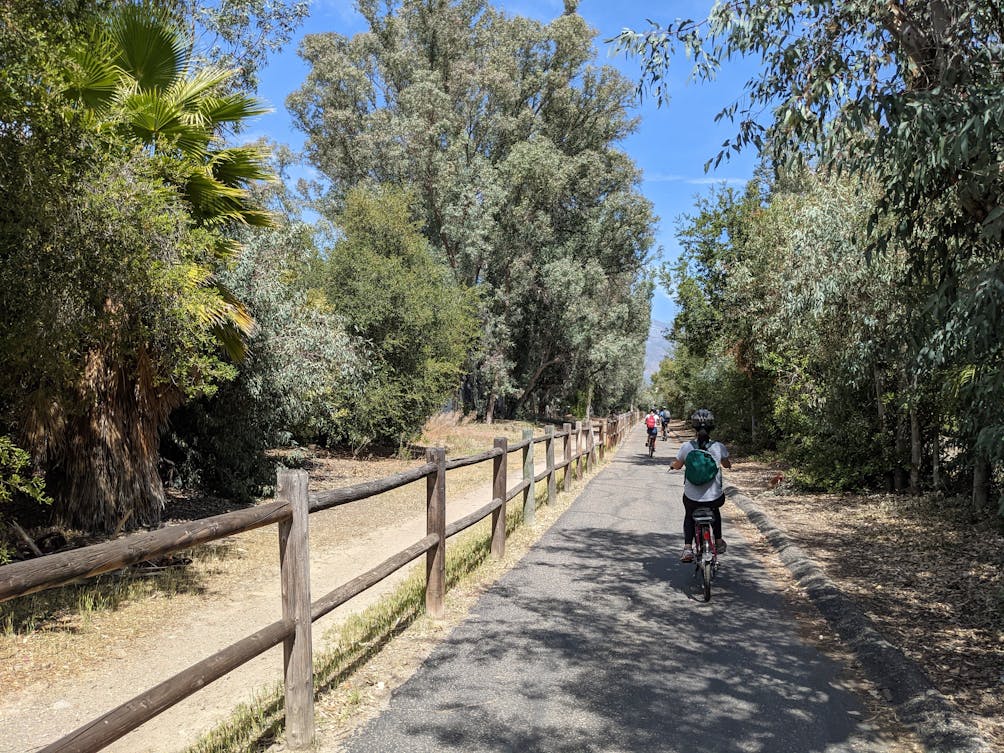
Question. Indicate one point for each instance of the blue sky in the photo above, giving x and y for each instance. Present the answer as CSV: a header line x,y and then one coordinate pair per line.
x,y
671,145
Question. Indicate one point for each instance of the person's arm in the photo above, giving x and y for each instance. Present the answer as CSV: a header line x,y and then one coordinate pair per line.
x,y
677,465
725,463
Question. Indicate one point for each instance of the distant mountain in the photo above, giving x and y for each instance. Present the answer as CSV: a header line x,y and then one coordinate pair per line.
x,y
657,347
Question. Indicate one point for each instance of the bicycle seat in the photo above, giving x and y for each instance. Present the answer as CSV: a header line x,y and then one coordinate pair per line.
x,y
703,515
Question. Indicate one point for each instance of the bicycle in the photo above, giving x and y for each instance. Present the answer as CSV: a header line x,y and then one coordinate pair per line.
x,y
665,432
650,443
705,551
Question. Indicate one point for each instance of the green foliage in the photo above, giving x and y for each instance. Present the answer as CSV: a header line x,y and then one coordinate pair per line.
x,y
713,381
16,483
302,373
814,352
507,132
242,33
415,324
907,98
13,480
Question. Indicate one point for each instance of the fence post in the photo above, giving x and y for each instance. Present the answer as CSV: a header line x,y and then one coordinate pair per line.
x,y
592,443
552,487
567,428
578,450
294,568
529,498
435,522
603,439
499,490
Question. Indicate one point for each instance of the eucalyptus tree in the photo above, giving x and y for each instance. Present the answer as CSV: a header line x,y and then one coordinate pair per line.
x,y
507,132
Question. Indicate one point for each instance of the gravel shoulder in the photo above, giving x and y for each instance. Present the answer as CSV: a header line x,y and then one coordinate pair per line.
x,y
928,578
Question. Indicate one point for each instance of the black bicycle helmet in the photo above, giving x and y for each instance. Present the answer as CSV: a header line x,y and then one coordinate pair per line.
x,y
703,419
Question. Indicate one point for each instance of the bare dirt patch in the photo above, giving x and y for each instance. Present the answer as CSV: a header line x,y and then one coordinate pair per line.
x,y
930,578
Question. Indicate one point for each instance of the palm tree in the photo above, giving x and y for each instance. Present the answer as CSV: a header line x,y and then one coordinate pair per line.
x,y
135,79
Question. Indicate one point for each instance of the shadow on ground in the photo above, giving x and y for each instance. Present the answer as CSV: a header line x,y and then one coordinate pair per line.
x,y
596,642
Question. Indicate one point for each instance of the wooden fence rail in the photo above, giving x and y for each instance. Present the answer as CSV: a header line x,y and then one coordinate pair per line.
x,y
291,512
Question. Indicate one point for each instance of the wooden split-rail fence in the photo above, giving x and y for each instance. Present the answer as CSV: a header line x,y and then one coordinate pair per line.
x,y
290,512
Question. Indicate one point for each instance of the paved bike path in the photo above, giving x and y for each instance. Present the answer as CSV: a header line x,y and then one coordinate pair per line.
x,y
597,641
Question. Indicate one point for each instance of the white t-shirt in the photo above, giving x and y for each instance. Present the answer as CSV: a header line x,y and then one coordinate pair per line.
x,y
712,490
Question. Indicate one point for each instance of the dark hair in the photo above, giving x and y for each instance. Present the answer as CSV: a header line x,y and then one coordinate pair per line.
x,y
703,437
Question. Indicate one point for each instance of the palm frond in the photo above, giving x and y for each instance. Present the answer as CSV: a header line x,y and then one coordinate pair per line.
x,y
151,48
232,108
187,92
93,76
238,166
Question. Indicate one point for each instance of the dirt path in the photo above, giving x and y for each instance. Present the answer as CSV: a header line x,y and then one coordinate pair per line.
x,y
44,710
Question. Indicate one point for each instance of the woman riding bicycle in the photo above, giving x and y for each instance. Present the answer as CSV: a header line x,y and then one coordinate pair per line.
x,y
651,430
709,494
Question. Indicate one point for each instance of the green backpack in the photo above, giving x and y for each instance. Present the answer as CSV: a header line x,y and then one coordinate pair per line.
x,y
700,466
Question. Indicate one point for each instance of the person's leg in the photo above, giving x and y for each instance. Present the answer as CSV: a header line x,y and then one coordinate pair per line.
x,y
716,524
689,527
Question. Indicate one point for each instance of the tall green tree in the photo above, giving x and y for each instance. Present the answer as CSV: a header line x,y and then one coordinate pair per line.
x,y
508,133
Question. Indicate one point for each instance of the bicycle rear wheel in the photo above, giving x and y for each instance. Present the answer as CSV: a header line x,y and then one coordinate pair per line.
x,y
707,563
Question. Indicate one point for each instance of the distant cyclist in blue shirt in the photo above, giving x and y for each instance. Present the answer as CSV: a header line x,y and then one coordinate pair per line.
x,y
665,418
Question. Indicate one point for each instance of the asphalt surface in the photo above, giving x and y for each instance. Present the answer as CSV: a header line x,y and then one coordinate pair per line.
x,y
599,641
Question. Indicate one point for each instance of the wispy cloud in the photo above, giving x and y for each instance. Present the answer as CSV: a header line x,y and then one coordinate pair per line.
x,y
717,181
704,181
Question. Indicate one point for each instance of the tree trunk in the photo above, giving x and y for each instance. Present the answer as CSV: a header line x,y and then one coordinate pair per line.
x,y
490,410
880,405
534,378
883,428
916,452
981,485
936,457
899,474
104,475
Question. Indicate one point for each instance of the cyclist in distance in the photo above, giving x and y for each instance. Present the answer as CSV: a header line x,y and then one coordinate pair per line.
x,y
709,494
651,428
665,418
